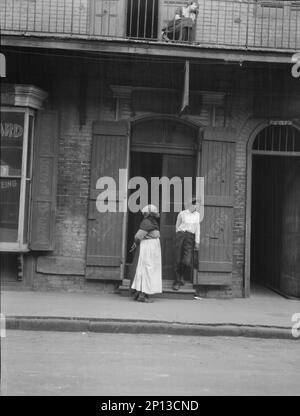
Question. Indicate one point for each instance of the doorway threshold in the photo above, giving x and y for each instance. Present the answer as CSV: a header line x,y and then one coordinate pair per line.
x,y
263,289
185,292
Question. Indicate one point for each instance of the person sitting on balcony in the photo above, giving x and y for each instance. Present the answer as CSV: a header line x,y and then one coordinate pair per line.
x,y
182,27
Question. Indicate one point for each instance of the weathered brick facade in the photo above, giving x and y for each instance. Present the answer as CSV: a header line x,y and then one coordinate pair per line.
x,y
233,93
64,268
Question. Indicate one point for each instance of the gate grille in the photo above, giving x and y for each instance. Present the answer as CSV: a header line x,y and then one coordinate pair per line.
x,y
278,138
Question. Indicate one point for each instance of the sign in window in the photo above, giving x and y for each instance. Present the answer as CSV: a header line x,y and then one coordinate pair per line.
x,y
15,176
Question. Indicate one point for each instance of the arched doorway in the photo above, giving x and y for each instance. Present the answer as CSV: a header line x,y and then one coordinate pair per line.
x,y
274,213
162,147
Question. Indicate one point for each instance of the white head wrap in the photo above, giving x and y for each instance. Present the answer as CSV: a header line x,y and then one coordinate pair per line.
x,y
150,209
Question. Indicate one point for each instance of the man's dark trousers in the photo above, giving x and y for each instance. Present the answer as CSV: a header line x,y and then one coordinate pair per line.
x,y
184,252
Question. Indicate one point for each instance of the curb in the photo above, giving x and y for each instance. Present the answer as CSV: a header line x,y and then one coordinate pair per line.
x,y
145,327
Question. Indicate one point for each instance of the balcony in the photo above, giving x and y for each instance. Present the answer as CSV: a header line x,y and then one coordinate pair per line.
x,y
261,25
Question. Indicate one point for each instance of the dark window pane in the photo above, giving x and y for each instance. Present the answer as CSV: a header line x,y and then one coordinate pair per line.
x,y
9,209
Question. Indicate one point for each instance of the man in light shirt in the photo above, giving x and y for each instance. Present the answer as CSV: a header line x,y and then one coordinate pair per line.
x,y
187,239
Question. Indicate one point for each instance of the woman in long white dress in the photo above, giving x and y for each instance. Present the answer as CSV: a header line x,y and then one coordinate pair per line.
x,y
148,276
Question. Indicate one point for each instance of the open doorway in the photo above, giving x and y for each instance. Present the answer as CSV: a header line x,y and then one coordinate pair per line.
x,y
148,165
275,211
267,216
162,147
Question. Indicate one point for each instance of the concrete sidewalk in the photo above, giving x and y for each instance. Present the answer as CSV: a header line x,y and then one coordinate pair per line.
x,y
264,314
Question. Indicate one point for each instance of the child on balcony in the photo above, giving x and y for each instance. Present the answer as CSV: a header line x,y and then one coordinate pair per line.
x,y
182,27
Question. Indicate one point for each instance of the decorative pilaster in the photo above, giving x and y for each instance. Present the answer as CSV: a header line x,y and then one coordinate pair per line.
x,y
213,100
122,94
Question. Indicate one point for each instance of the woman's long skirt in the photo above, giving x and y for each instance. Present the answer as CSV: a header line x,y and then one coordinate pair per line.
x,y
133,267
147,277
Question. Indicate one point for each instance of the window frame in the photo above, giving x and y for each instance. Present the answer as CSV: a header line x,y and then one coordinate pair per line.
x,y
20,245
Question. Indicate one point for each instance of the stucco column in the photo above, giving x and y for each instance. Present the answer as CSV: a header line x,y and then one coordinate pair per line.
x,y
122,94
213,100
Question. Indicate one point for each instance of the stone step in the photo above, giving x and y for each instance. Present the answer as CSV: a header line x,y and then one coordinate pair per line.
x,y
185,292
14,286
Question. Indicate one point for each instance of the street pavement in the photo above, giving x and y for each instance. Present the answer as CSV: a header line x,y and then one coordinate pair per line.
x,y
62,363
263,314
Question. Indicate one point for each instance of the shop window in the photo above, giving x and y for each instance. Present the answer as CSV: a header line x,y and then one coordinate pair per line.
x,y
142,19
15,177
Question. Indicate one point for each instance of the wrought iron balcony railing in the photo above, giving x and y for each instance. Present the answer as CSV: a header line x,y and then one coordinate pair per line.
x,y
244,24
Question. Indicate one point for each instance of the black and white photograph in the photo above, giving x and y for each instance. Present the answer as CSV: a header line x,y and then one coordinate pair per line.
x,y
150,201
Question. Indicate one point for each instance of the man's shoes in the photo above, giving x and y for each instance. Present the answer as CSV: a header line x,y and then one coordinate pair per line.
x,y
182,282
176,286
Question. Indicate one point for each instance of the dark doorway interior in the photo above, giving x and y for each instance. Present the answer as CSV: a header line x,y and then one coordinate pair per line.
x,y
142,19
275,230
159,165
267,190
146,165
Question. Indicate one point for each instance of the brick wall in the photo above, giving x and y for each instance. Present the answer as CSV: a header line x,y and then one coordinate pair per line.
x,y
73,185
64,269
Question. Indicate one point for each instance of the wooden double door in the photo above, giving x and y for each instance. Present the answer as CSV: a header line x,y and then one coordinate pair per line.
x,y
169,166
169,147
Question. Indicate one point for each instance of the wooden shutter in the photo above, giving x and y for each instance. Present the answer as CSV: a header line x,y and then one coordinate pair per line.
x,y
106,231
215,253
44,181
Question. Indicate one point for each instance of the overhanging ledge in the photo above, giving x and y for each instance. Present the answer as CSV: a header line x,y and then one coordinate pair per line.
x,y
159,49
